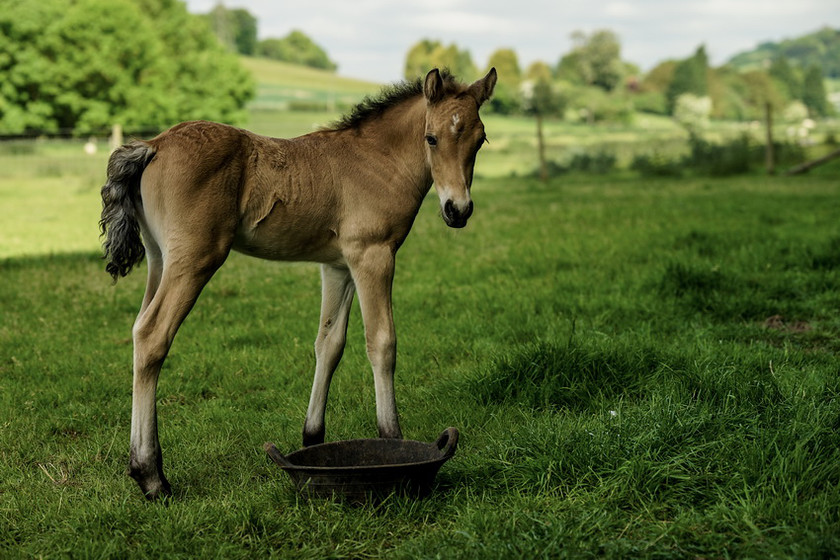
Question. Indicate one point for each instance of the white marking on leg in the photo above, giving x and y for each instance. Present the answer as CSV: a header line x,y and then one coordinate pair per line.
x,y
336,299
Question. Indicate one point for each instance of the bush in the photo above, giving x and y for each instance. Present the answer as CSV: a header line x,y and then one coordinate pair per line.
x,y
653,102
716,160
719,160
592,104
600,162
657,165
787,153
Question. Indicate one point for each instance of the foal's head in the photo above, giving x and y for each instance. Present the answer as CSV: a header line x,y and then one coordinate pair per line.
x,y
454,134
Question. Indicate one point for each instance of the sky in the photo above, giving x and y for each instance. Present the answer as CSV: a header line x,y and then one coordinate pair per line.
x,y
369,39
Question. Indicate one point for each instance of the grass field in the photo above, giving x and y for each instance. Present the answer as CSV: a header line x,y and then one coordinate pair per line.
x,y
638,369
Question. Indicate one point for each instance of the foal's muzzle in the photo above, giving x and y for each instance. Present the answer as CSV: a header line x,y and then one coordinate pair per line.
x,y
454,216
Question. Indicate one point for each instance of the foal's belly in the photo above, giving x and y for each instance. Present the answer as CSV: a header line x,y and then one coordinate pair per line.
x,y
288,239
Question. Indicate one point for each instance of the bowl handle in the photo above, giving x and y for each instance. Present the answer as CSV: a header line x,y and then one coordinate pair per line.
x,y
447,442
275,455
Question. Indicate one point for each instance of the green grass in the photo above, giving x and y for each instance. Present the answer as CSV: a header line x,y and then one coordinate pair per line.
x,y
49,191
280,85
639,368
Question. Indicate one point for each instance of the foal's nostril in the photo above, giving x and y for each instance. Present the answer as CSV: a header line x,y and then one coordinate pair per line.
x,y
453,215
449,209
468,212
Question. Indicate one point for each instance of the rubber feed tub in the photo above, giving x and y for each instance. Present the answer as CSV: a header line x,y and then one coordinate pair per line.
x,y
362,469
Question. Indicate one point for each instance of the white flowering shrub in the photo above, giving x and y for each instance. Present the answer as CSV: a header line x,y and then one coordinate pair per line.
x,y
795,112
692,112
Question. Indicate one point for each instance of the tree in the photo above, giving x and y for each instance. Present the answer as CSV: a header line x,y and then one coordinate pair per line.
x,y
813,92
789,79
506,63
296,48
727,91
246,31
595,60
690,76
79,67
206,81
538,71
540,100
427,54
660,77
506,98
650,97
760,90
236,29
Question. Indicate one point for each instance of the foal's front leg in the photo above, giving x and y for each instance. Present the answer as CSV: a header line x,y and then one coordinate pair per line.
x,y
337,291
373,273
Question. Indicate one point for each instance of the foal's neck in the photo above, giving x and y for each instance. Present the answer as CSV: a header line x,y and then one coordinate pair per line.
x,y
399,133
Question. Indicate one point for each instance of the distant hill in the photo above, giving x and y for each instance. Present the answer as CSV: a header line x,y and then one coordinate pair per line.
x,y
284,86
821,47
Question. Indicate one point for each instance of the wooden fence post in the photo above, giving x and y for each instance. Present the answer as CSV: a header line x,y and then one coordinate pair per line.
x,y
116,139
769,152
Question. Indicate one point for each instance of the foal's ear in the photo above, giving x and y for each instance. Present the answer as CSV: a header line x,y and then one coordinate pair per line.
x,y
433,87
483,88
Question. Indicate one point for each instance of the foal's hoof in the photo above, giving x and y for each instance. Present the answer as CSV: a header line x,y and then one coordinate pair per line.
x,y
313,439
153,487
158,491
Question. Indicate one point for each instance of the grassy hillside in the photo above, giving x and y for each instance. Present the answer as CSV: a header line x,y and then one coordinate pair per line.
x,y
280,85
821,48
293,100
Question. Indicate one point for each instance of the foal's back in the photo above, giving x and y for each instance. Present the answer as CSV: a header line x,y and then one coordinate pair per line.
x,y
268,197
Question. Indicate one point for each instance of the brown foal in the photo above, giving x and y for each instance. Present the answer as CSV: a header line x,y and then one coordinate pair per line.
x,y
344,197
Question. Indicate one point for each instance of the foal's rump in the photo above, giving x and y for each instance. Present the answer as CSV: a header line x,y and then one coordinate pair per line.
x,y
207,187
184,180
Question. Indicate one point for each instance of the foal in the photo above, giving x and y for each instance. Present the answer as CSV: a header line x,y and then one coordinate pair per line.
x,y
344,197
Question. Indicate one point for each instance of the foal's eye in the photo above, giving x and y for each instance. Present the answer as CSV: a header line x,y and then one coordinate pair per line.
x,y
431,140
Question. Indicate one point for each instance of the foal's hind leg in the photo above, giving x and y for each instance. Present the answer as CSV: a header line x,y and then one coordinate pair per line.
x,y
160,317
337,291
154,263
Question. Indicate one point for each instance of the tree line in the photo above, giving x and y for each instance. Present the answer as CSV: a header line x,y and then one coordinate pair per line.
x,y
594,83
78,67
237,29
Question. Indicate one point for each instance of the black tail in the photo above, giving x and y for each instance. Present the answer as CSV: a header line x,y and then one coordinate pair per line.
x,y
120,205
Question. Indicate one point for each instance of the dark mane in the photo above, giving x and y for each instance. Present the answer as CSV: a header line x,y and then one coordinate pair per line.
x,y
372,107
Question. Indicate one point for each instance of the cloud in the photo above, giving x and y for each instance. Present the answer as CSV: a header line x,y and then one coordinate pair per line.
x,y
369,38
453,21
621,10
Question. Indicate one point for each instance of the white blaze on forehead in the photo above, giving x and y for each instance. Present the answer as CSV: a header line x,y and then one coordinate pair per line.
x,y
456,118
